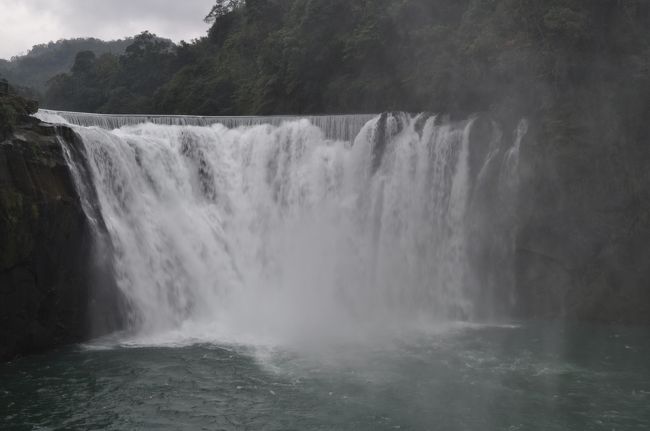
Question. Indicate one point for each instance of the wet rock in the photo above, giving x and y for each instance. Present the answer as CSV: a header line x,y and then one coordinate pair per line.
x,y
583,240
47,249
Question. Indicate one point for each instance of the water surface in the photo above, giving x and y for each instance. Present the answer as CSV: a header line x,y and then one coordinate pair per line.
x,y
526,377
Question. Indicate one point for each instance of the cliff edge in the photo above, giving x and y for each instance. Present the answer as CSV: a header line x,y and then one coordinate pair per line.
x,y
51,292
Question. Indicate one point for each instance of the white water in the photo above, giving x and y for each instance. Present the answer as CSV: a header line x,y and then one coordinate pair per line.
x,y
344,127
272,232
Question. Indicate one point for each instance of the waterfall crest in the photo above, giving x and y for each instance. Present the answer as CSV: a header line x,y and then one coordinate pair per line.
x,y
233,230
339,127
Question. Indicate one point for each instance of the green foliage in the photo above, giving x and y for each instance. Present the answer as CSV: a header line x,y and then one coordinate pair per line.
x,y
12,108
221,8
44,61
116,84
512,57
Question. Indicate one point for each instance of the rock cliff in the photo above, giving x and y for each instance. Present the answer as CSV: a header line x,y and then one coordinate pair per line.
x,y
51,287
583,234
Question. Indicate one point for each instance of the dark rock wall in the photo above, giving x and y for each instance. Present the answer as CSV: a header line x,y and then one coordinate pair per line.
x,y
47,249
582,248
571,239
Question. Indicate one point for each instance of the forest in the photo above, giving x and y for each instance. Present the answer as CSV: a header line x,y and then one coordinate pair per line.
x,y
30,72
336,56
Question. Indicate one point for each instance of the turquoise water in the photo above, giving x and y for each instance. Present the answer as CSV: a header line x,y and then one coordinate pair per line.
x,y
527,377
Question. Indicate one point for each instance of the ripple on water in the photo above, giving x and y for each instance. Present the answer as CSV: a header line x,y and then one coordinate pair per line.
x,y
472,378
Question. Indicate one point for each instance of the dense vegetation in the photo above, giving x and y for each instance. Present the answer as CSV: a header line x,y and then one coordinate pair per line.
x,y
42,62
111,83
13,108
309,56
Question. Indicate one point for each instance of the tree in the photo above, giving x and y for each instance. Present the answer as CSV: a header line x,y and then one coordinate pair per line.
x,y
222,8
84,65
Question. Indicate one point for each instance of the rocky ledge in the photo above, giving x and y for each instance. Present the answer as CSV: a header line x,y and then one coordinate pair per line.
x,y
47,249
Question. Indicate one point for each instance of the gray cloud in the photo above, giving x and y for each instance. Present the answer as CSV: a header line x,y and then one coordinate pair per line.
x,y
24,23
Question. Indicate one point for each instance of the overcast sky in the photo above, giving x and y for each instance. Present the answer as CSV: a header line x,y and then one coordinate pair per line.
x,y
24,23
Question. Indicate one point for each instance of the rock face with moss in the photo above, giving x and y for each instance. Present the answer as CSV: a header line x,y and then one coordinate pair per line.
x,y
583,233
50,287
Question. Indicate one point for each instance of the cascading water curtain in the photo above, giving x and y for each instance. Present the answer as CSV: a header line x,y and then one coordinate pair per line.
x,y
279,231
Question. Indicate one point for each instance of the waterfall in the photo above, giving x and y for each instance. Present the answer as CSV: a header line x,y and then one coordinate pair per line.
x,y
231,228
342,127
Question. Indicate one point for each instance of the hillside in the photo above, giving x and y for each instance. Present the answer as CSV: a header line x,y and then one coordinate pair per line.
x,y
311,56
43,61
